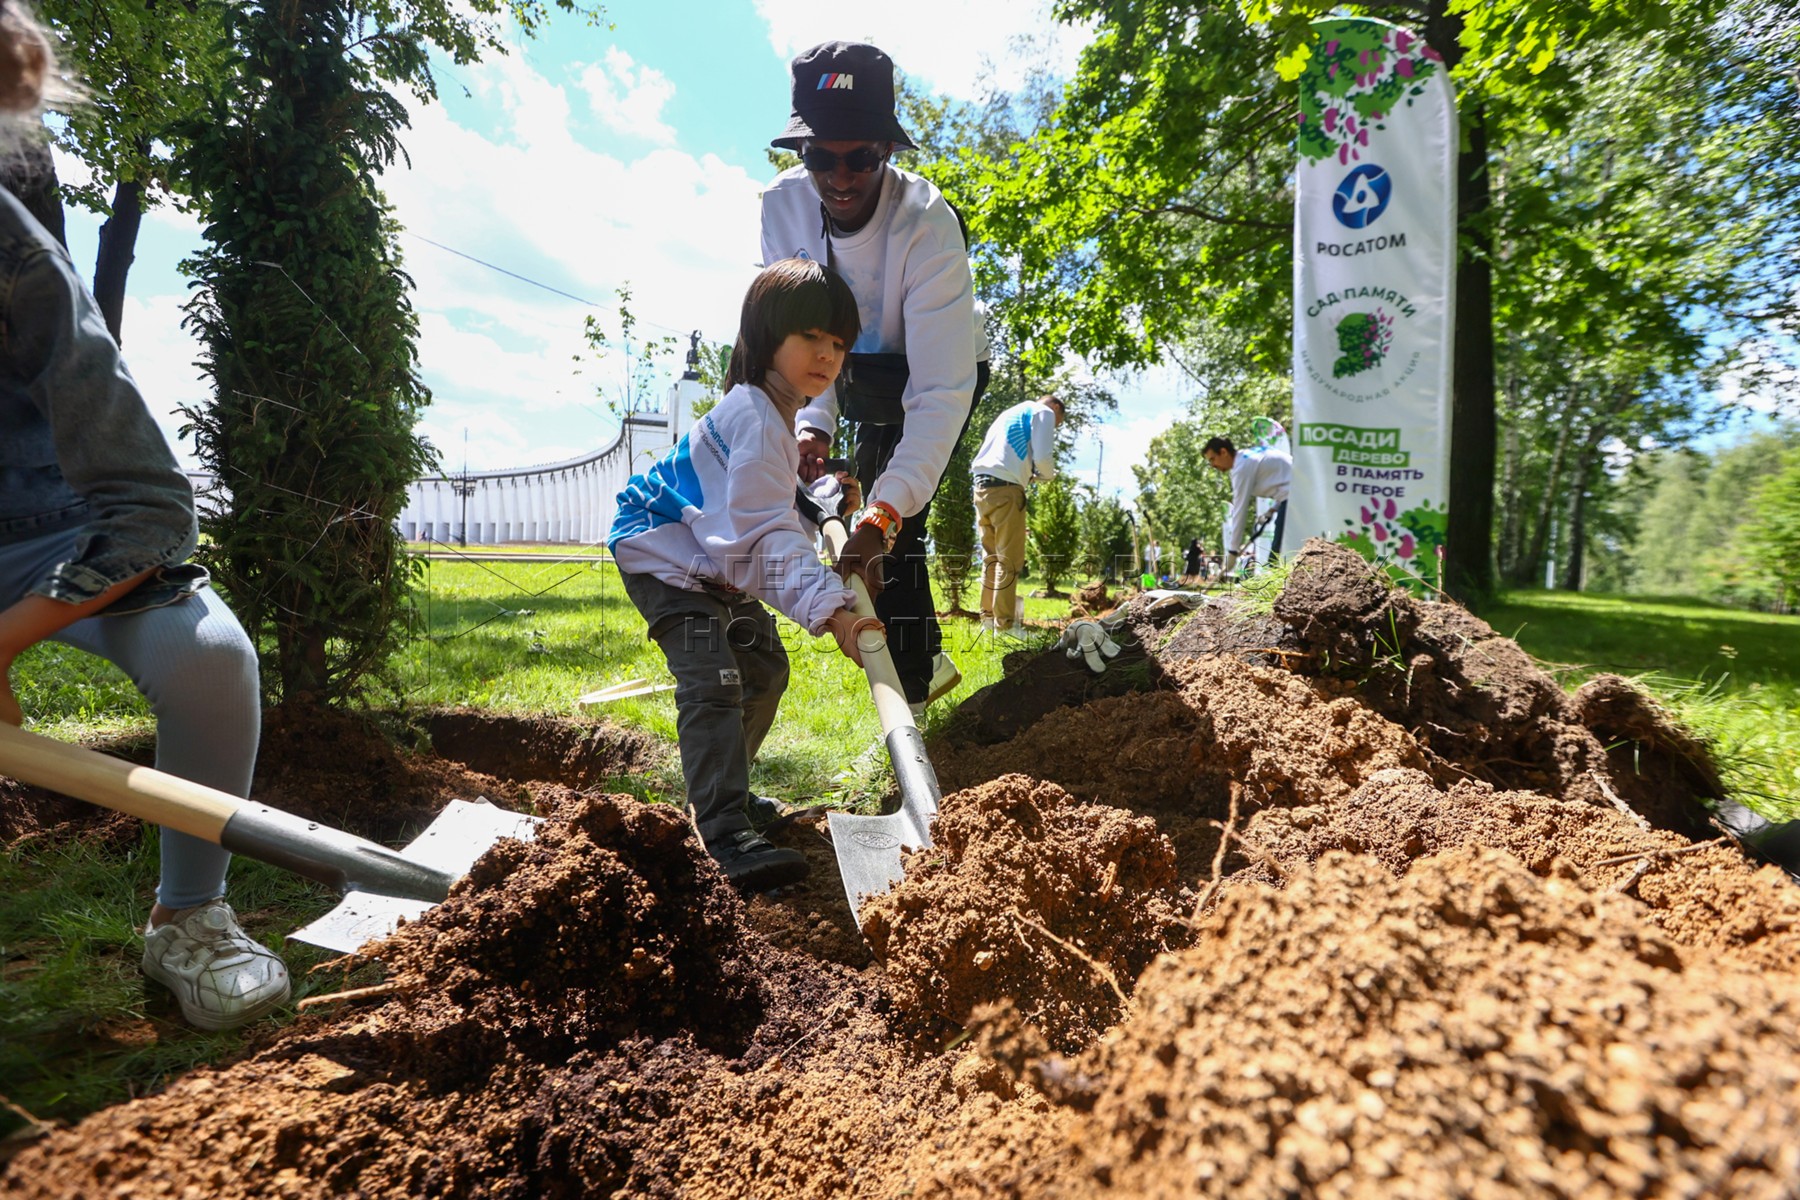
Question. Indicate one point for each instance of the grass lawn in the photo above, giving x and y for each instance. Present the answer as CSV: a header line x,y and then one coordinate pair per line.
x,y
1732,676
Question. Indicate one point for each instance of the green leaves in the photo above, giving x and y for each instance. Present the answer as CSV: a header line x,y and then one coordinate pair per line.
x,y
307,331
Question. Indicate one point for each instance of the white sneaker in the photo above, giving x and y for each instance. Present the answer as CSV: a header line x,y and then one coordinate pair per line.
x,y
944,678
221,977
1016,632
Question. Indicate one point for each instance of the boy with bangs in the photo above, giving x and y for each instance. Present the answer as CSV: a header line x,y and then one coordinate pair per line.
x,y
711,528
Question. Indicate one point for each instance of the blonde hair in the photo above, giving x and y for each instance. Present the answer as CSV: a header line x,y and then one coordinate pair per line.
x,y
31,78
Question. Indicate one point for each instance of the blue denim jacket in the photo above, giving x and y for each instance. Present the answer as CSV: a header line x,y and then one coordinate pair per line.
x,y
78,448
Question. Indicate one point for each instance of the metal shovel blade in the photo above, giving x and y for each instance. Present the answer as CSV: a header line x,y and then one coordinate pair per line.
x,y
868,847
459,835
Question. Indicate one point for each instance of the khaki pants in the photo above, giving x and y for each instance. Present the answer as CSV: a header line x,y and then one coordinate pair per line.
x,y
1000,516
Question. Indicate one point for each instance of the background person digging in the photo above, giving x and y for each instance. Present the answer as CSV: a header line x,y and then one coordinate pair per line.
x,y
1254,473
1020,448
913,376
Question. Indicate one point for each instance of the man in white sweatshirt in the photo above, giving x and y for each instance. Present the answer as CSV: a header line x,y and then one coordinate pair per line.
x,y
1254,473
1019,449
917,368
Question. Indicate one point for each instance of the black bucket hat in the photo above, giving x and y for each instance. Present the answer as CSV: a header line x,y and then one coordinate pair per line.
x,y
843,92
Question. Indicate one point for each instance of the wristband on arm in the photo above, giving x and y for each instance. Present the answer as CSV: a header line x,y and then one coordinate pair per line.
x,y
881,515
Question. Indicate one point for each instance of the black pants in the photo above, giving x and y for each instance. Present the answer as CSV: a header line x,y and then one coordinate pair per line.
x,y
730,670
905,605
1280,529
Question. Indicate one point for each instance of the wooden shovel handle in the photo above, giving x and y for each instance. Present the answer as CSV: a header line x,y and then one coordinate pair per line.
x,y
101,779
884,681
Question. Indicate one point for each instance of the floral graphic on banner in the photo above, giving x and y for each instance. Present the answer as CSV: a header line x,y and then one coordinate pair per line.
x,y
1363,341
1404,540
1354,80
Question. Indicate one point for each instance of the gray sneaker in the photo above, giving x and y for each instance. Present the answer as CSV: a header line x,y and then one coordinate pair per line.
x,y
221,977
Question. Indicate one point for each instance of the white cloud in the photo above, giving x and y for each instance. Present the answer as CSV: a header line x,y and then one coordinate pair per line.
x,y
1150,401
160,355
949,44
629,97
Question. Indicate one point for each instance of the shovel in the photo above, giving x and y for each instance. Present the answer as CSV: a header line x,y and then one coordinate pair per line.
x,y
380,886
868,847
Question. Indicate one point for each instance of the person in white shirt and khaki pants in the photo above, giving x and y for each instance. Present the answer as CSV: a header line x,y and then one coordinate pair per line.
x,y
1019,449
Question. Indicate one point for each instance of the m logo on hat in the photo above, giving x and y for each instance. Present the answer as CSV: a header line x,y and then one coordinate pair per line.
x,y
836,79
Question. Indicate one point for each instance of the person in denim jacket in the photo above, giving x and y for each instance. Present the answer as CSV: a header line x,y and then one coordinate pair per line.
x,y
96,526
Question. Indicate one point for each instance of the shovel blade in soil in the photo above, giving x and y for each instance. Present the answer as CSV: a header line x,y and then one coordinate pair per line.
x,y
459,835
868,850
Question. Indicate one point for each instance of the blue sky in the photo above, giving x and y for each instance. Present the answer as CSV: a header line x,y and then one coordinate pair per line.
x,y
591,158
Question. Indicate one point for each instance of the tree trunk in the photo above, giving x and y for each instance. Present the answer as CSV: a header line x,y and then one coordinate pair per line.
x,y
1469,548
29,173
1531,564
1510,506
1572,571
118,249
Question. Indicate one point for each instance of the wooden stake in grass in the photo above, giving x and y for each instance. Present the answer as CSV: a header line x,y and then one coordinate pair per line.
x,y
352,994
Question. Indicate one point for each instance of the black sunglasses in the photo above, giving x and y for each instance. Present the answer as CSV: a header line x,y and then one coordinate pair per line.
x,y
861,160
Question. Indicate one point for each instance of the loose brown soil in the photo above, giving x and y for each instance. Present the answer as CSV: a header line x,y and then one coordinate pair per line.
x,y
1345,900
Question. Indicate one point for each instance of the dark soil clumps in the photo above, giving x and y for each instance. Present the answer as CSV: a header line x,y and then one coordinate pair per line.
x,y
612,924
578,756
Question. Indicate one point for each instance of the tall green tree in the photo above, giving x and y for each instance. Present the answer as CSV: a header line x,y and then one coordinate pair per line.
x,y
1157,197
1054,521
1772,534
1104,545
307,331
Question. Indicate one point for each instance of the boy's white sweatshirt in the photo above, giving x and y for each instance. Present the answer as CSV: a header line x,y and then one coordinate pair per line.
x,y
909,271
1020,445
719,508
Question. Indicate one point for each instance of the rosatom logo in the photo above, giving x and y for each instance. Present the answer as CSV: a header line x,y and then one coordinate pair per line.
x,y
836,79
1363,196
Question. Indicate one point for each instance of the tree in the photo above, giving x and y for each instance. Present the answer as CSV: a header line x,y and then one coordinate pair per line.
x,y
1157,197
1054,520
307,332
1772,535
1104,541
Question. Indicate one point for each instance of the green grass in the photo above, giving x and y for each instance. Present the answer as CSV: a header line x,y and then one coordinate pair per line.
x,y
1731,676
80,1026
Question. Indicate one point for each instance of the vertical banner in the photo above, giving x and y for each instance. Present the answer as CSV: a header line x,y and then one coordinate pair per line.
x,y
1374,290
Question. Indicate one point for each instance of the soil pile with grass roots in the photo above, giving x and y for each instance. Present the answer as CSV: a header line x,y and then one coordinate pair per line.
x,y
1345,898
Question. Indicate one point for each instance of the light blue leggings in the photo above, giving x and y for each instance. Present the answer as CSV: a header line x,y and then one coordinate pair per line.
x,y
197,668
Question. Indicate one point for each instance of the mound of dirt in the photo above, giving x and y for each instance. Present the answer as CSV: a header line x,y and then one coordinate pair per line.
x,y
1028,896
1091,600
1469,1029
1433,946
1476,702
611,924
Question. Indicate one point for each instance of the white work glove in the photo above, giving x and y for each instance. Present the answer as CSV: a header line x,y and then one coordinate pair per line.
x,y
1089,640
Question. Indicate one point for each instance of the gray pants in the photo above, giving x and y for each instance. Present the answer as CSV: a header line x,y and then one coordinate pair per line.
x,y
730,669
197,668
